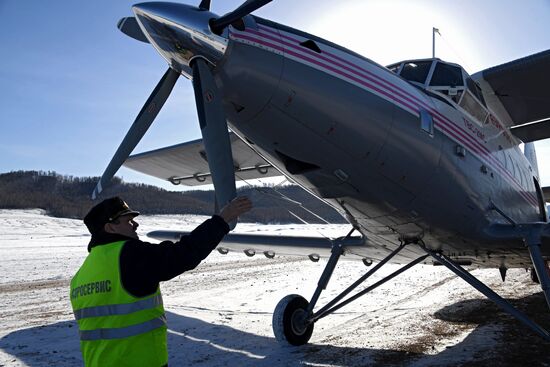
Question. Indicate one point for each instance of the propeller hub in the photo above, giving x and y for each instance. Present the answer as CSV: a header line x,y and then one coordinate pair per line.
x,y
180,33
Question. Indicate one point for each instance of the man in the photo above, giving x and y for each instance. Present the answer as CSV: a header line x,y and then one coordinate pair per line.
x,y
115,295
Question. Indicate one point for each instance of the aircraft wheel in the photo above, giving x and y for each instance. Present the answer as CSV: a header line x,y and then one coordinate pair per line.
x,y
289,320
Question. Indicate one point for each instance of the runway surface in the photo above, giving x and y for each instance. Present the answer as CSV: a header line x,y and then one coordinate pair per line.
x,y
220,313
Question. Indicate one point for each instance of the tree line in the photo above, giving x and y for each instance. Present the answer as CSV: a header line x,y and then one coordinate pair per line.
x,y
69,197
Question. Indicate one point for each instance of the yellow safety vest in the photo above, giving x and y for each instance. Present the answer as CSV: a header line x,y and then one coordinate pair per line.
x,y
116,328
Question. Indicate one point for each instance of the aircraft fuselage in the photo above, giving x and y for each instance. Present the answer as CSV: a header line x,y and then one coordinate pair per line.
x,y
350,131
400,162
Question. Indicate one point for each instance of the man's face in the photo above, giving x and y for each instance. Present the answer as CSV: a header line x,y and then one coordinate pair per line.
x,y
124,225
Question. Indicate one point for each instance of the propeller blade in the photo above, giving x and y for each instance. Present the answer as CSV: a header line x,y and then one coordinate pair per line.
x,y
142,122
218,25
130,27
204,5
214,133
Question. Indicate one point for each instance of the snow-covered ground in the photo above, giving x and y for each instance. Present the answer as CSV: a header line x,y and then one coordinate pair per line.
x,y
220,313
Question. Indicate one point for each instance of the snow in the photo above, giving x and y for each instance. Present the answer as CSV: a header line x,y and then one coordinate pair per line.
x,y
220,313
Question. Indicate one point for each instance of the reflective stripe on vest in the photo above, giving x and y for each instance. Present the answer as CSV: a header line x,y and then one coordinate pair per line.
x,y
122,309
123,332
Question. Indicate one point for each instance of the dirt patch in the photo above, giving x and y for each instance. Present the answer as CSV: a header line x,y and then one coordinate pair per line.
x,y
36,285
517,345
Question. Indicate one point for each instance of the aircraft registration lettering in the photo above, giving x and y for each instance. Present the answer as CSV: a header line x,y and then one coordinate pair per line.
x,y
494,122
470,126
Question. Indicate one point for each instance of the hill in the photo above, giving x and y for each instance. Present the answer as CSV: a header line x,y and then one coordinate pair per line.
x,y
69,197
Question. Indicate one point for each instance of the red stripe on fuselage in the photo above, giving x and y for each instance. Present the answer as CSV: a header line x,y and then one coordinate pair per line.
x,y
378,84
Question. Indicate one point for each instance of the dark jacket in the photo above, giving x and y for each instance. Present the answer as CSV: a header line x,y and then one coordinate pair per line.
x,y
143,265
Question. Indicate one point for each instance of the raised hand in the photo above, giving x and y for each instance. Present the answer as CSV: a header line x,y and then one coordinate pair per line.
x,y
235,207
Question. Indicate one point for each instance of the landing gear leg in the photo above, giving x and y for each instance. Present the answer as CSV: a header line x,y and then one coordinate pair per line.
x,y
290,318
539,265
293,318
533,275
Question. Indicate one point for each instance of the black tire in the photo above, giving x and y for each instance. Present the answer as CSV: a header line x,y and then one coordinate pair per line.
x,y
288,325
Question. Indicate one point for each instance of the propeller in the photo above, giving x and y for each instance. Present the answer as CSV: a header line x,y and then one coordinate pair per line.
x,y
210,111
204,5
218,25
130,27
142,122
215,135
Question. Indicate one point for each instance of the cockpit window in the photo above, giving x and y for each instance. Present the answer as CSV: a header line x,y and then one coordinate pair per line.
x,y
416,71
447,75
473,102
476,90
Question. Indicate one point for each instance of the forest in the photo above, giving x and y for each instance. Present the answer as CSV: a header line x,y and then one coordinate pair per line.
x,y
69,197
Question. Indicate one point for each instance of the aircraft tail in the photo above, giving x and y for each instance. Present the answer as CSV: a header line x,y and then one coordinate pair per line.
x,y
531,155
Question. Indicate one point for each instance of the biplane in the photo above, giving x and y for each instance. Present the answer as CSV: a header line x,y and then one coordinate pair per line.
x,y
427,163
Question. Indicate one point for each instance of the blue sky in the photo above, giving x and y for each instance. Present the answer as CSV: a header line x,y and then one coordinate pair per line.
x,y
71,83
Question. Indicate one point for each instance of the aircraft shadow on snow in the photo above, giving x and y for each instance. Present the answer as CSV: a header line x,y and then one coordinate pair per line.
x,y
198,342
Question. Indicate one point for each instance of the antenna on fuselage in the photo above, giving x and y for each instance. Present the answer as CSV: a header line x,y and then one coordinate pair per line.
x,y
434,31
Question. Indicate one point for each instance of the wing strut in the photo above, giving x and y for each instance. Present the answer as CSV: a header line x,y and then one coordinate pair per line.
x,y
294,316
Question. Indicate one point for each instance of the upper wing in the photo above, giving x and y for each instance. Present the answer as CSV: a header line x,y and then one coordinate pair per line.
x,y
187,163
519,92
532,131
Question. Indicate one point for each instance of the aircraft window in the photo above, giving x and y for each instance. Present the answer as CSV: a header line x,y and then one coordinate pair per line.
x,y
447,75
426,122
476,90
416,71
474,108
